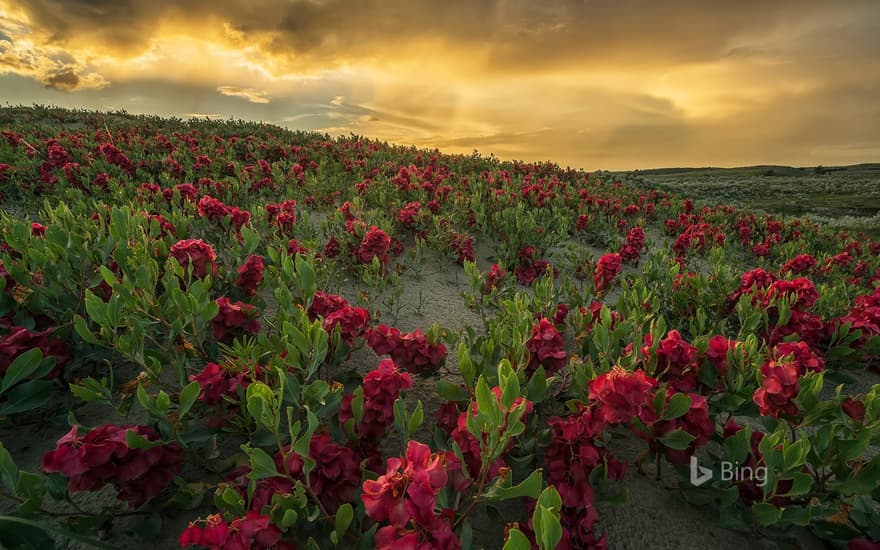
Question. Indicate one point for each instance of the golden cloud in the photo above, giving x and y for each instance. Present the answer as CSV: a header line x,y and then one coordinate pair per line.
x,y
250,94
587,83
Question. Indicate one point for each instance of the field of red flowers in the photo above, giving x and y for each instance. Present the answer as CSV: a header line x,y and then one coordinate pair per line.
x,y
230,335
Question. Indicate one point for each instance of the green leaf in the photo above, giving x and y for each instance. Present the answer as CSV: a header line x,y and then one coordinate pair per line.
x,y
342,520
23,366
536,389
801,484
679,404
415,419
797,516
677,439
188,396
451,392
23,536
262,465
529,487
28,396
765,513
516,540
17,533
83,330
315,393
8,469
487,404
736,447
548,529
136,441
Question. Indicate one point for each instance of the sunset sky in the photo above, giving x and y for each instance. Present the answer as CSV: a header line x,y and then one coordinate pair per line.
x,y
617,84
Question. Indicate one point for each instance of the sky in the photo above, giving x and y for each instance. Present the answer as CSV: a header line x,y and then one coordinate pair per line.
x,y
594,84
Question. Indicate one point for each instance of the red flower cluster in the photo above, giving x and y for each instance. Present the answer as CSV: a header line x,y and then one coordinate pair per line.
x,y
165,227
799,264
570,458
375,244
382,387
607,269
196,255
103,457
546,348
250,275
234,319
778,389
802,288
323,304
676,361
245,533
222,381
854,409
801,355
351,322
407,215
20,340
337,472
282,214
405,496
696,422
717,351
470,445
494,277
411,350
464,248
530,268
622,395
633,245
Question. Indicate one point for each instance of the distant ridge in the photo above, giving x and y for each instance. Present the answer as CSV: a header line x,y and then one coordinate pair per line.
x,y
758,169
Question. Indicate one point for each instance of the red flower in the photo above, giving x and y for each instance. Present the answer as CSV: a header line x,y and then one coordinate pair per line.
x,y
221,381
676,361
801,355
408,489
717,352
779,388
195,254
251,531
250,275
607,269
323,304
411,351
546,348
623,395
382,387
234,319
375,244
351,322
494,277
38,229
854,409
212,209
103,456
337,472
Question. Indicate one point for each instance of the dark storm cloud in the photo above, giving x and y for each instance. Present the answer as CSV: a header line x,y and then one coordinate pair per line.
x,y
65,80
519,34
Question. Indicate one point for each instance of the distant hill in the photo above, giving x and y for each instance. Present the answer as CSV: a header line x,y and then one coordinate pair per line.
x,y
757,170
